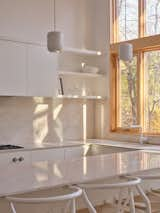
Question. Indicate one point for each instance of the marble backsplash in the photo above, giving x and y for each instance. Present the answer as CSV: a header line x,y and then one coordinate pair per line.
x,y
40,120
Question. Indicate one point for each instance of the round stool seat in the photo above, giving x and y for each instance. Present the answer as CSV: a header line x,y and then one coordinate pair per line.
x,y
70,195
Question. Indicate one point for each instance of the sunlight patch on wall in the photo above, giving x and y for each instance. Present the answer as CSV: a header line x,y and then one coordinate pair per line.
x,y
56,111
102,120
40,123
38,99
58,123
84,91
59,129
84,121
85,166
40,108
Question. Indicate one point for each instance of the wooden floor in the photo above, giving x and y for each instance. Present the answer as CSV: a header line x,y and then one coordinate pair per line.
x,y
106,209
100,209
109,209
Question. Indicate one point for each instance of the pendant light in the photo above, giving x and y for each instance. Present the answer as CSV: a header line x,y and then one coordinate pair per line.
x,y
126,52
54,38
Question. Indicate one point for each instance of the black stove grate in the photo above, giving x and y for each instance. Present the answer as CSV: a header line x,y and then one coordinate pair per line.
x,y
5,147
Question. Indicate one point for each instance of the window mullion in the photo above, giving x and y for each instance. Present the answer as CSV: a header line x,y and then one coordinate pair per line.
x,y
114,22
140,73
142,24
142,17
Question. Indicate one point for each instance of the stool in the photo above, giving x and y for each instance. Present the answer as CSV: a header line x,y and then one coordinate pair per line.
x,y
74,193
154,192
126,182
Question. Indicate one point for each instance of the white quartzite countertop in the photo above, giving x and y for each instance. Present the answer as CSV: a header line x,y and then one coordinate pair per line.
x,y
37,146
131,145
27,177
41,146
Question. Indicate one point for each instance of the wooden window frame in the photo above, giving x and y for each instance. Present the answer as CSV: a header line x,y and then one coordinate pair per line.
x,y
141,45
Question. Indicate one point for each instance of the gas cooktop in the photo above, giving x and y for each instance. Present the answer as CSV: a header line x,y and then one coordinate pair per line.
x,y
5,147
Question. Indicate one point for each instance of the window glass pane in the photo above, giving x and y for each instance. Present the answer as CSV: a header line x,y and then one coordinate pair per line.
x,y
127,11
152,91
152,17
128,94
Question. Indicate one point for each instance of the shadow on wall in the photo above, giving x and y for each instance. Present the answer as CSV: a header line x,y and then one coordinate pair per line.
x,y
41,120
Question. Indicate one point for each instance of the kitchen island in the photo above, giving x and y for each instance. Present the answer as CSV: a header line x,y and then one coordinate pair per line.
x,y
31,176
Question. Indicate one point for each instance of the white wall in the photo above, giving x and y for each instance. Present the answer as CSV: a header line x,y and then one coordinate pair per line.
x,y
24,20
83,22
71,21
30,20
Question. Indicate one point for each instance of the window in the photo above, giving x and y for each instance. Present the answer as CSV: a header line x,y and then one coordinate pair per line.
x,y
152,17
152,91
127,12
128,94
136,86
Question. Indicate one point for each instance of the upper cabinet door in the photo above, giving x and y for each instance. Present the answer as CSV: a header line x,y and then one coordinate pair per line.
x,y
12,69
25,20
42,72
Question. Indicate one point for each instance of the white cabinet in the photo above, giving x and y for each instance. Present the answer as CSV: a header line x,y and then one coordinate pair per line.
x,y
52,154
27,70
59,153
25,20
42,72
12,69
48,154
75,152
15,158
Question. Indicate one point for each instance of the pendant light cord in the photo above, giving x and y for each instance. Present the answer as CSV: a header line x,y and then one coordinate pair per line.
x,y
53,14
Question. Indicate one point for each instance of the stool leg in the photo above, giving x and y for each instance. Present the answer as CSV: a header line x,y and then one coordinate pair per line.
x,y
73,206
119,205
68,206
88,203
12,207
145,198
131,200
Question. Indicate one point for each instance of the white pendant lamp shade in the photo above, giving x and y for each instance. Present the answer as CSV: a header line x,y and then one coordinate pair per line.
x,y
55,41
126,52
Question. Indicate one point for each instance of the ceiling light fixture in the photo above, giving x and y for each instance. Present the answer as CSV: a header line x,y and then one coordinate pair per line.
x,y
126,52
54,38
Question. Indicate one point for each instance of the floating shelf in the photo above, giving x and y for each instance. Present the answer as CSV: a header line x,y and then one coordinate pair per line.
x,y
82,51
81,97
81,74
14,40
66,49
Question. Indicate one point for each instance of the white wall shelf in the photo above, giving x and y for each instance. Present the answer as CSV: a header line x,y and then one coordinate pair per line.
x,y
66,49
18,41
82,51
80,74
81,97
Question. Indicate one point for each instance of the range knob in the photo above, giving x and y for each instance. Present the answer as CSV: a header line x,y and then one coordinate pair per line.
x,y
21,159
14,160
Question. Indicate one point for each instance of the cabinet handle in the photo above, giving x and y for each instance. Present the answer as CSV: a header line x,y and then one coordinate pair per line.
x,y
21,159
14,160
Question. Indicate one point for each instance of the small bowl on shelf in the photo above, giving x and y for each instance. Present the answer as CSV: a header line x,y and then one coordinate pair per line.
x,y
91,69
